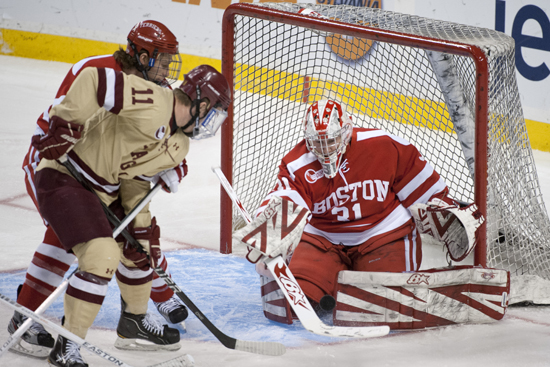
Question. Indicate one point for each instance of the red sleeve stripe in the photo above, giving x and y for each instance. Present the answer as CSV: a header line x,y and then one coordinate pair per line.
x,y
110,90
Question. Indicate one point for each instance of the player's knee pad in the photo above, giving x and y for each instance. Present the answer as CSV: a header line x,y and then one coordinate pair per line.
x,y
99,256
435,297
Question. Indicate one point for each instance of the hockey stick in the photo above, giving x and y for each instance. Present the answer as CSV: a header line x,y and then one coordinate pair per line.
x,y
266,348
14,338
182,361
292,291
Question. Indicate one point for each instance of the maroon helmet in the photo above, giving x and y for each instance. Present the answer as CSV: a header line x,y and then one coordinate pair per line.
x,y
161,46
211,83
206,82
154,37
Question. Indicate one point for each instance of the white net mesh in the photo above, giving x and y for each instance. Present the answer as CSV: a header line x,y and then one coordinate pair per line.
x,y
279,69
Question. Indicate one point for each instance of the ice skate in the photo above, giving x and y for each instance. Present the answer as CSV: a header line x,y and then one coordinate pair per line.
x,y
172,310
35,342
144,332
66,353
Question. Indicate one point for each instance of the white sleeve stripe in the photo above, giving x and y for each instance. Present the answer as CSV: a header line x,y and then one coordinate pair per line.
x,y
437,187
295,165
76,67
291,194
416,182
110,77
363,135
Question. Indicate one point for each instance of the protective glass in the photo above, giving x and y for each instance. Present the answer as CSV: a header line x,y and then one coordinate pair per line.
x,y
208,125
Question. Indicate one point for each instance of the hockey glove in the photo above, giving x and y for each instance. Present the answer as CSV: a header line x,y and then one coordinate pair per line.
x,y
60,138
149,239
276,231
455,227
171,178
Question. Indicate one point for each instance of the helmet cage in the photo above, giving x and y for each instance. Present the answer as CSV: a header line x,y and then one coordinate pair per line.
x,y
161,45
164,69
328,131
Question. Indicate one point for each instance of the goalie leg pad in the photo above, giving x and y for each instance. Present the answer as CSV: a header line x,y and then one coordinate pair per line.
x,y
274,303
419,300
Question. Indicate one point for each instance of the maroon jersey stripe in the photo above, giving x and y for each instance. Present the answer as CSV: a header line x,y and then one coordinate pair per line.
x,y
119,93
101,86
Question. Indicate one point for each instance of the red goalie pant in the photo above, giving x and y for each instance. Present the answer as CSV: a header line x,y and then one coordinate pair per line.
x,y
316,262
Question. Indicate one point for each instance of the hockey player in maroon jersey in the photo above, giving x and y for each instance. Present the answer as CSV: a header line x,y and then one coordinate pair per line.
x,y
151,53
361,187
120,132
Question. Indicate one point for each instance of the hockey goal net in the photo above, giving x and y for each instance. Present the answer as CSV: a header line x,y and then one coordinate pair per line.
x,y
449,89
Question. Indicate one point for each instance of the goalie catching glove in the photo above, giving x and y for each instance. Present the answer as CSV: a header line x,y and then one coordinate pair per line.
x,y
455,227
276,231
149,239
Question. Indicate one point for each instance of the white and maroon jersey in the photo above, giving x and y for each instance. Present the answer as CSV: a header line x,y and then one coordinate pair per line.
x,y
32,159
127,130
104,61
380,176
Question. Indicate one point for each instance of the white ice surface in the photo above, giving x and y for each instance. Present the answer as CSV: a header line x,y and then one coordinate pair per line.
x,y
190,219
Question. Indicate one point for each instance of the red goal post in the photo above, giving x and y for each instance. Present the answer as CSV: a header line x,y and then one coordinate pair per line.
x,y
416,71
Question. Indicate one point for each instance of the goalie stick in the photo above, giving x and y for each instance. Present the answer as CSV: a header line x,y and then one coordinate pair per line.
x,y
292,291
265,348
181,361
14,338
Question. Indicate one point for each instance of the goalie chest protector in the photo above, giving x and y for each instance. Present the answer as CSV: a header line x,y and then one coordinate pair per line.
x,y
431,298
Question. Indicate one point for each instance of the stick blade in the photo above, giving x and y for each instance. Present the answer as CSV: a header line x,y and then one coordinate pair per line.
x,y
348,332
265,348
182,361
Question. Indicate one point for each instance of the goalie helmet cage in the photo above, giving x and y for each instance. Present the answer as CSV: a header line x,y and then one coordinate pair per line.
x,y
449,89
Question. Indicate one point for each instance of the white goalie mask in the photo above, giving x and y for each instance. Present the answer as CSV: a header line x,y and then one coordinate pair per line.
x,y
328,131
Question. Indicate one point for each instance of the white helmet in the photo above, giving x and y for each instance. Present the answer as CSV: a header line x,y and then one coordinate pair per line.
x,y
327,128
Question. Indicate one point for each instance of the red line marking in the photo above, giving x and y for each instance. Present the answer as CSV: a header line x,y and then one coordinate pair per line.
x,y
527,320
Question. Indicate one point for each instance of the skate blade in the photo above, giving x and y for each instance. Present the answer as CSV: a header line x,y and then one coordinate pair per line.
x,y
30,350
144,345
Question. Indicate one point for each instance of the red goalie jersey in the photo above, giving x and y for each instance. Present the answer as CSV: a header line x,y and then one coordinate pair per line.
x,y
380,176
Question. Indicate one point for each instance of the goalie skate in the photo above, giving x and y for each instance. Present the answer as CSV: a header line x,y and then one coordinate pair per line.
x,y
144,332
36,341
